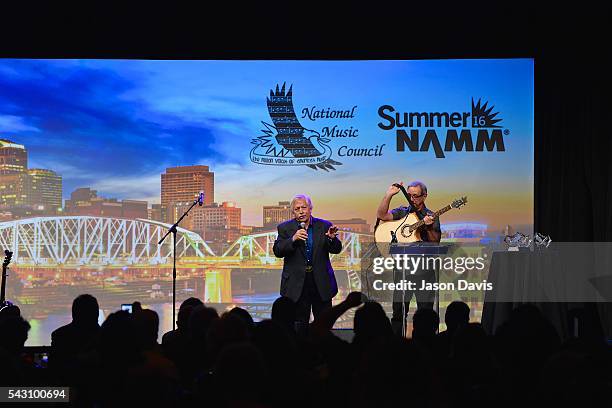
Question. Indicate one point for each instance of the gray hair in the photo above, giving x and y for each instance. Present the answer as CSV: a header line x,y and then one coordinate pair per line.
x,y
301,197
419,184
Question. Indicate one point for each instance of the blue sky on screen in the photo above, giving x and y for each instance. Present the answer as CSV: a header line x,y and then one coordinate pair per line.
x,y
115,125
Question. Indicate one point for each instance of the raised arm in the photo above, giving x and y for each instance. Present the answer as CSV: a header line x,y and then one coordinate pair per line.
x,y
383,208
326,320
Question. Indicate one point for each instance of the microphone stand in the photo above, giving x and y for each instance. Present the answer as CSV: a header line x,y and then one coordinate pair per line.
x,y
394,240
173,230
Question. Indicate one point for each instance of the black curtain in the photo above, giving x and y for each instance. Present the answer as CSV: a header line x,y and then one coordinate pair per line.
x,y
573,147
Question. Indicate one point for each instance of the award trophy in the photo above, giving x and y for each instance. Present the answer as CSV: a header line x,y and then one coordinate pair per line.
x,y
541,241
518,241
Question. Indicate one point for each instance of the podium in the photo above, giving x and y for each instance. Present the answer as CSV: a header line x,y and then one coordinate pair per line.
x,y
419,249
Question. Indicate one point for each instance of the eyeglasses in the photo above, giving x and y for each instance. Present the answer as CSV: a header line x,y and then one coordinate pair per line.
x,y
416,196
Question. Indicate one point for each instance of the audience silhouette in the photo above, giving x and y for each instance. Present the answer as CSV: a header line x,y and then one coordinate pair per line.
x,y
231,361
72,339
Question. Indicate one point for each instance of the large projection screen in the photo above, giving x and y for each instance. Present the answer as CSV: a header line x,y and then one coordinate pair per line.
x,y
99,157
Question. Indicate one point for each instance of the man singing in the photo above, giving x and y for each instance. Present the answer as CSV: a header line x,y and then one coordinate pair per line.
x,y
431,232
308,277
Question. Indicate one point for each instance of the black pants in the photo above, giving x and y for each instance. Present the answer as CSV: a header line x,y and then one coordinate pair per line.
x,y
309,299
401,298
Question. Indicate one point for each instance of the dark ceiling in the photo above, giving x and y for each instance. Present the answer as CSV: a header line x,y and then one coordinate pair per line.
x,y
296,30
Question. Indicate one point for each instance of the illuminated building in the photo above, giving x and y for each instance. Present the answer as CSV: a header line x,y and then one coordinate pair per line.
x,y
44,190
13,190
13,157
181,185
218,222
247,229
275,214
26,192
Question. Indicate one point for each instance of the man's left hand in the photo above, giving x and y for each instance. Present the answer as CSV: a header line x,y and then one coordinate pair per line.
x,y
332,232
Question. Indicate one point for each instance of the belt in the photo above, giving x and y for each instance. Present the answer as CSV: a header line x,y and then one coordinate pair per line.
x,y
308,268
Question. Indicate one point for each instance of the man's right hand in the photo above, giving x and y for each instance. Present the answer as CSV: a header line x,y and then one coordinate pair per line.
x,y
393,190
300,234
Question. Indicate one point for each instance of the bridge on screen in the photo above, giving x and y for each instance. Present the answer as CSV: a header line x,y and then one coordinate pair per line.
x,y
75,242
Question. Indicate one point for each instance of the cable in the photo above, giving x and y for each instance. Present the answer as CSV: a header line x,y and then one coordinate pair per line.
x,y
399,226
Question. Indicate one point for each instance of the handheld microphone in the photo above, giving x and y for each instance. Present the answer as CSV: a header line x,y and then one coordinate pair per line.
x,y
303,226
201,198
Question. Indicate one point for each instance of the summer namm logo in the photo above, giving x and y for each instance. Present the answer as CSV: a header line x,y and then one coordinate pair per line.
x,y
286,142
460,127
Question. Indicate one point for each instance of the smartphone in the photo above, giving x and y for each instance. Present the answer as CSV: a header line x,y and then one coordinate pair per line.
x,y
41,359
127,307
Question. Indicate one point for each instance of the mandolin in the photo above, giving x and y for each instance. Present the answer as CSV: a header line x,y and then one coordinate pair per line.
x,y
407,229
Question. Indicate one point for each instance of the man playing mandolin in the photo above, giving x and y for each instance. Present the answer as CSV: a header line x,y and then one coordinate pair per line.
x,y
430,232
418,194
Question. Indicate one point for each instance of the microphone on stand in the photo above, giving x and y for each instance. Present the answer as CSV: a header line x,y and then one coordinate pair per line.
x,y
405,193
201,198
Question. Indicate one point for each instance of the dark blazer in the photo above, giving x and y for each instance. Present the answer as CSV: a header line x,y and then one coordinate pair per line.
x,y
294,268
70,340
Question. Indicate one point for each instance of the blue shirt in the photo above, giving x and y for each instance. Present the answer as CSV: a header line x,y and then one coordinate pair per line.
x,y
309,243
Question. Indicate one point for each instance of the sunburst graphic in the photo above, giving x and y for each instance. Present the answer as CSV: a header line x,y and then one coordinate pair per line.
x,y
483,117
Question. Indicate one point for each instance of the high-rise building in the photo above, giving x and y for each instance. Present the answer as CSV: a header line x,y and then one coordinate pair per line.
x,y
275,214
14,179
14,190
183,184
13,157
44,190
26,192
